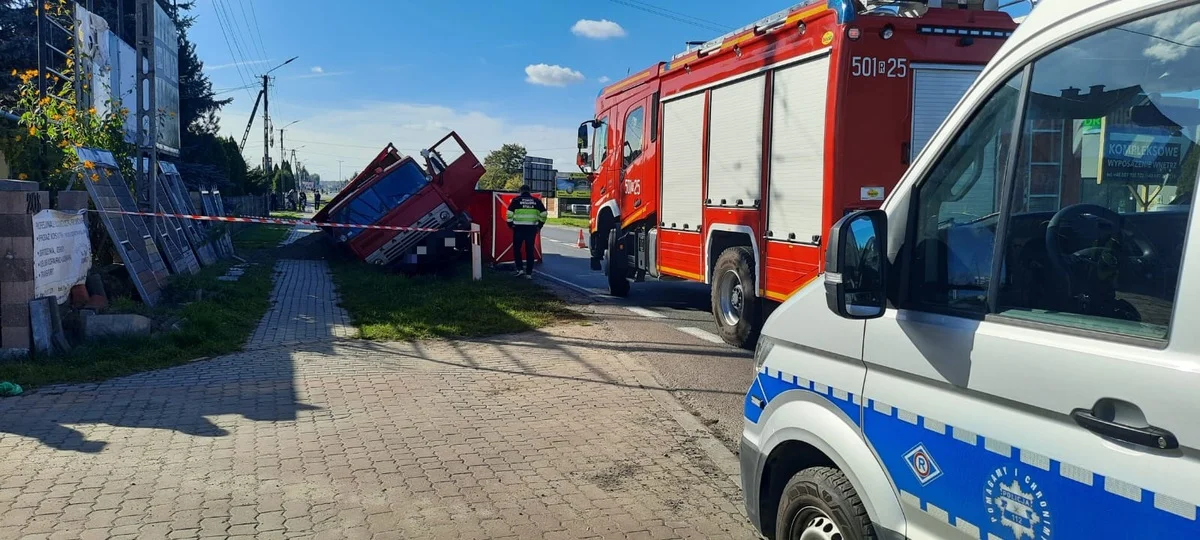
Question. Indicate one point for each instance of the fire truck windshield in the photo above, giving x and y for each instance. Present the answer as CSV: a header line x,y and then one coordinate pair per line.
x,y
385,194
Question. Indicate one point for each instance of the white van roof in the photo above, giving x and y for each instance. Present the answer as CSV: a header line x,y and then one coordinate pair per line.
x,y
1047,13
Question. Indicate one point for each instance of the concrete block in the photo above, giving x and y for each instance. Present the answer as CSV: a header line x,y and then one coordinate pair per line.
x,y
18,185
70,201
95,326
13,202
15,338
16,225
17,270
16,247
14,315
16,292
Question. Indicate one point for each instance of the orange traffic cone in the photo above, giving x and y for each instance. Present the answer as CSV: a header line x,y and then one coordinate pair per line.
x,y
581,244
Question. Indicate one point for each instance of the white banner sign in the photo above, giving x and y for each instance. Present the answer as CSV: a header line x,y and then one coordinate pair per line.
x,y
62,253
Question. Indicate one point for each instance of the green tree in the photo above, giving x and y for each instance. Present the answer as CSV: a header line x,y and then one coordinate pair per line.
x,y
285,179
18,46
503,168
257,183
235,164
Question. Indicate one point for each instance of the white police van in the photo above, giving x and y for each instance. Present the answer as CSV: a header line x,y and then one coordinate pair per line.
x,y
1010,348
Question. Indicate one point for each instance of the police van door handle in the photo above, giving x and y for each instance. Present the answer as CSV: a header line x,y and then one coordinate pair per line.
x,y
1148,436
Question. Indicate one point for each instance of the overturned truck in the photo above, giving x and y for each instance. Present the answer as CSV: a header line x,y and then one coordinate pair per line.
x,y
427,195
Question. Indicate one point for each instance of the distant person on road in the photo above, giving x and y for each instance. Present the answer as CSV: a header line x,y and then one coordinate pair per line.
x,y
316,201
303,201
526,216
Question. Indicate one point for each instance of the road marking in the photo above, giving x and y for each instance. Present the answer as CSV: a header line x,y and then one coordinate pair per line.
x,y
645,312
702,334
579,288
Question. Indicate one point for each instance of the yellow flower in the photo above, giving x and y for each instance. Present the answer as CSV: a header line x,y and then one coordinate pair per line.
x,y
95,177
89,164
14,73
44,101
22,176
18,138
92,110
32,131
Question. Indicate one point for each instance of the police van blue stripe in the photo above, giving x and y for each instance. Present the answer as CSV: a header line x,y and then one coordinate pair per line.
x,y
989,489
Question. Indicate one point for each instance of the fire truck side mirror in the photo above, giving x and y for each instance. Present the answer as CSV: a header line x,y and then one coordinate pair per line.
x,y
856,265
581,137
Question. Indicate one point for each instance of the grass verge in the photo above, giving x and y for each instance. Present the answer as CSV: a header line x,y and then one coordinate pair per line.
x,y
218,324
259,236
387,306
569,221
286,214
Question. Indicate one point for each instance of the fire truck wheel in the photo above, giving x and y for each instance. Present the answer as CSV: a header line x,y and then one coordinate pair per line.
x,y
820,503
734,303
618,279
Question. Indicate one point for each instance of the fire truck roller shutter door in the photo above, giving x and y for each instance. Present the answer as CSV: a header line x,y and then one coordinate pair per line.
x,y
936,90
682,162
735,143
797,182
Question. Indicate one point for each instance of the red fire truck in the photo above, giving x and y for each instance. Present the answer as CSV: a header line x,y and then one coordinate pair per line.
x,y
727,163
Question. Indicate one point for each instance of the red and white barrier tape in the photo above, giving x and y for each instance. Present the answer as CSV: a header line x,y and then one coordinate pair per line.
x,y
278,221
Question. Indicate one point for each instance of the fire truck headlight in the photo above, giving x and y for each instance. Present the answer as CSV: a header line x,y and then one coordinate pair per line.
x,y
853,33
887,32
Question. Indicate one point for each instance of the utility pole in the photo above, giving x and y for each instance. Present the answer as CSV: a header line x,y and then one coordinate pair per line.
x,y
295,170
266,82
339,170
282,152
266,125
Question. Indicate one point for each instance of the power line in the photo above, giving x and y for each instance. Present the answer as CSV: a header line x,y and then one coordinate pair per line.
x,y
236,60
675,16
236,31
684,15
254,14
257,34
228,90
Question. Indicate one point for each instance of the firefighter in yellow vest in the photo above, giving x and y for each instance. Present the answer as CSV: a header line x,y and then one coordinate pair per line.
x,y
526,216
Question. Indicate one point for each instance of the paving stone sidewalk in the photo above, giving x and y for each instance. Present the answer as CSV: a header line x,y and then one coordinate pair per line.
x,y
304,307
538,435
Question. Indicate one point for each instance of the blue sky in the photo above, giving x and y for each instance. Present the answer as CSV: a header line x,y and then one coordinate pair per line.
x,y
377,71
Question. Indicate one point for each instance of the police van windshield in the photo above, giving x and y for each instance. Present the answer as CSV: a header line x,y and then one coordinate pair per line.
x,y
1099,190
382,196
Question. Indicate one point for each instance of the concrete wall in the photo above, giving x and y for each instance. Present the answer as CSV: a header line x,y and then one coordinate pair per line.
x,y
17,204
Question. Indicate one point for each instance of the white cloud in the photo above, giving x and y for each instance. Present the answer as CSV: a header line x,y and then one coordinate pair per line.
x,y
604,79
547,75
320,74
601,29
317,69
218,67
356,132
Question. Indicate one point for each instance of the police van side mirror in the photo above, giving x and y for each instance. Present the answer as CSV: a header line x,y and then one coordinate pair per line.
x,y
856,265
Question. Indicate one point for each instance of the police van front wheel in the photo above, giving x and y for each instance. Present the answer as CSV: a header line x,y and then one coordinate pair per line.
x,y
820,504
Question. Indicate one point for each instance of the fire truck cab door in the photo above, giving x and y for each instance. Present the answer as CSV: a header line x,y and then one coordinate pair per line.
x,y
631,138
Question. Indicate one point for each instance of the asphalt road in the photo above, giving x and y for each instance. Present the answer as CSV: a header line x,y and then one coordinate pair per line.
x,y
666,324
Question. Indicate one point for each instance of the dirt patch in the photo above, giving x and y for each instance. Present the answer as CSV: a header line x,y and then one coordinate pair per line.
x,y
612,478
